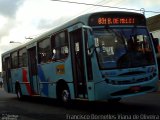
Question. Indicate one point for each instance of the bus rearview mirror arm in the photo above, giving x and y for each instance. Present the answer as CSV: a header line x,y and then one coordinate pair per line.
x,y
91,50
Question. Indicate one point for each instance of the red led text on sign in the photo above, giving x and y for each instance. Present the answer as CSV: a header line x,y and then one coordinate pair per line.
x,y
115,21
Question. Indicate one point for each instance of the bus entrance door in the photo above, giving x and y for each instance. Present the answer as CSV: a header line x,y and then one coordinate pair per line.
x,y
8,79
33,70
77,55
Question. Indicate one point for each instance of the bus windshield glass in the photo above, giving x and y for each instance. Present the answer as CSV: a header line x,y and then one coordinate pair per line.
x,y
123,47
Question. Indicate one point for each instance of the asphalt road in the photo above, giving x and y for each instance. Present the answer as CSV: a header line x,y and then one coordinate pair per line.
x,y
140,107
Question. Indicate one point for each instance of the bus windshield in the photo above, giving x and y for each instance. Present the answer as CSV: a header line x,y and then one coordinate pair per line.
x,y
123,47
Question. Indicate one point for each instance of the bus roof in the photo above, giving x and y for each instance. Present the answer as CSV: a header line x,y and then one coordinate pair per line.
x,y
81,19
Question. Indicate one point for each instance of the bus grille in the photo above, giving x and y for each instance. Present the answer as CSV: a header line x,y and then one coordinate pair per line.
x,y
132,81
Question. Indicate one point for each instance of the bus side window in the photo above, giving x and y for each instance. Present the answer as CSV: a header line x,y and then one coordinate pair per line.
x,y
14,60
44,51
22,57
59,46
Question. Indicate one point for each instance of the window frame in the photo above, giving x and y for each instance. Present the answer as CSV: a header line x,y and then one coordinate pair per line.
x,y
62,55
14,62
24,64
48,59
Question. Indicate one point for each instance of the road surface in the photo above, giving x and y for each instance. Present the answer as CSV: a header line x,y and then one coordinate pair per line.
x,y
140,107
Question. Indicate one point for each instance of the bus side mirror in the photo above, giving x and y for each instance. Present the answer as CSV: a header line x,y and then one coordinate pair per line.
x,y
91,46
91,42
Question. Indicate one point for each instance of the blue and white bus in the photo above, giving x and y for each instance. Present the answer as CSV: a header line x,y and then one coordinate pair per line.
x,y
96,56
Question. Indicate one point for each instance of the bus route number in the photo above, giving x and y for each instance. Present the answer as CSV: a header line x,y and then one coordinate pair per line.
x,y
115,21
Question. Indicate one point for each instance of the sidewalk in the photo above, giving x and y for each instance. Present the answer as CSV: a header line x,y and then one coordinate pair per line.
x,y
1,88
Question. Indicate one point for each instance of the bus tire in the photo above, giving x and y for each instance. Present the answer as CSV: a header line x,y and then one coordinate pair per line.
x,y
64,96
19,92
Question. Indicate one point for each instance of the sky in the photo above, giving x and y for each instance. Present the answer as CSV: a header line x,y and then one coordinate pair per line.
x,y
20,19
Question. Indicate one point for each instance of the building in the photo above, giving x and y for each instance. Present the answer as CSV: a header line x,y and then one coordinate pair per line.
x,y
154,25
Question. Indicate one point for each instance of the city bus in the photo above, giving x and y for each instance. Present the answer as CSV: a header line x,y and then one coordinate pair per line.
x,y
95,57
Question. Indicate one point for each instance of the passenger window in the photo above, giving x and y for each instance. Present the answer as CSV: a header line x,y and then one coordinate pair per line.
x,y
22,55
60,46
14,59
44,51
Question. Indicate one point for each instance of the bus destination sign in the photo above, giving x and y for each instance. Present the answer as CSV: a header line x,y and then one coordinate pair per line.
x,y
115,21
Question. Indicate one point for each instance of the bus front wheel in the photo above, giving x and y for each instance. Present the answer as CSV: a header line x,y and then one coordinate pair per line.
x,y
64,96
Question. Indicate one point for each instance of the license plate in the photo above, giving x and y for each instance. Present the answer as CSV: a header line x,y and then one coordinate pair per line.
x,y
135,88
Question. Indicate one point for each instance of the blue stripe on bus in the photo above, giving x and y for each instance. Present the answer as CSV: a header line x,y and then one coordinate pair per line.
x,y
42,78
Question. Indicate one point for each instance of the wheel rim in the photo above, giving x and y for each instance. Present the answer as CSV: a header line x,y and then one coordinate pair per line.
x,y
65,95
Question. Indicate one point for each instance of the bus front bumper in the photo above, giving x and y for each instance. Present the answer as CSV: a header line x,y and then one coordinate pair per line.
x,y
104,91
